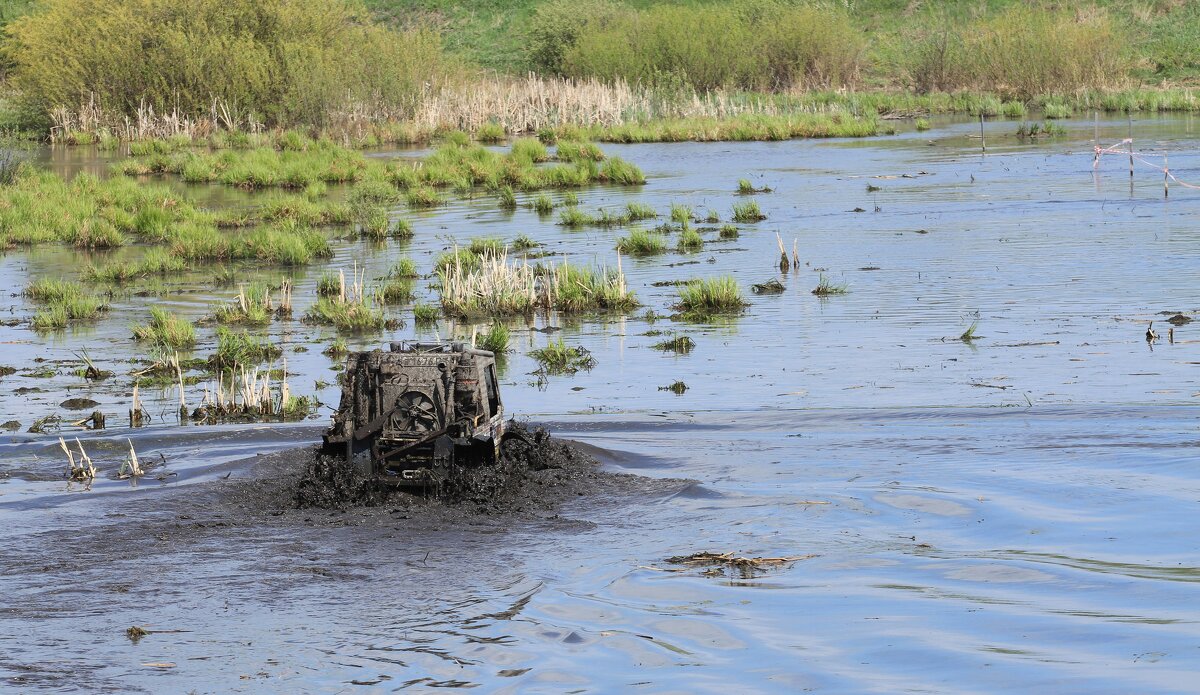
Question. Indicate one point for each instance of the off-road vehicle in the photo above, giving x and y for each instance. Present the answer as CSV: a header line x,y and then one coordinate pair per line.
x,y
419,410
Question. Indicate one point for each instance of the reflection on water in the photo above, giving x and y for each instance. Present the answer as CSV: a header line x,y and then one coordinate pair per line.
x,y
1010,514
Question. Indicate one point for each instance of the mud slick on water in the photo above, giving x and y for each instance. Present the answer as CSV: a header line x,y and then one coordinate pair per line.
x,y
538,471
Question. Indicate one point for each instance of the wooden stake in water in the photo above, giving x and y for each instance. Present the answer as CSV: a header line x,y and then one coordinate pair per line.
x,y
982,141
1166,175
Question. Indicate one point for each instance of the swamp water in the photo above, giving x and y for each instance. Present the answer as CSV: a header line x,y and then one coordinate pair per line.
x,y
1011,513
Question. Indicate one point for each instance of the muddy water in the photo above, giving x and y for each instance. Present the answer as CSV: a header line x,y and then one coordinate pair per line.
x,y
1003,515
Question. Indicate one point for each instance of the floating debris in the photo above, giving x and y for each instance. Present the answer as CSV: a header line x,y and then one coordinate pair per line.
x,y
49,423
678,388
680,345
135,633
772,286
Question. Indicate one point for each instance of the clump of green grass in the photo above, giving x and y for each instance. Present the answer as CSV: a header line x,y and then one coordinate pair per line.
x,y
746,187
709,296
329,284
729,231
640,242
680,345
425,314
825,287
747,211
337,349
65,302
395,291
711,217
486,246
241,349
570,199
578,151
463,258
405,267
424,197
689,240
558,358
508,199
166,330
922,124
523,242
574,217
490,132
351,316
495,340
681,213
1013,109
53,290
636,211
1056,110
251,307
969,334
542,204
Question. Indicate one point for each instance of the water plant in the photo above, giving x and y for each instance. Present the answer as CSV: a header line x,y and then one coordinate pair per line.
x,y
969,334
63,301
728,232
166,330
574,217
680,345
922,124
559,358
424,314
708,296
508,199
395,290
404,267
337,349
747,211
523,242
497,288
681,213
578,151
689,240
826,287
495,340
636,211
542,204
242,349
640,242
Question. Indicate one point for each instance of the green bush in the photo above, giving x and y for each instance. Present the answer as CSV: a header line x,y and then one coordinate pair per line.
x,y
283,62
1023,51
754,44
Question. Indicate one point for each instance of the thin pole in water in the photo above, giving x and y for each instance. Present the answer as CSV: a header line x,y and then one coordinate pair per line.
x,y
982,141
1166,174
1131,147
1095,140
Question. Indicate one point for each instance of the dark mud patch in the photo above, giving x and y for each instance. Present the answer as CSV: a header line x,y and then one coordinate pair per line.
x,y
537,479
78,403
538,473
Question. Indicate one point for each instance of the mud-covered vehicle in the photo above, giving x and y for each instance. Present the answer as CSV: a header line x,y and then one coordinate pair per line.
x,y
413,413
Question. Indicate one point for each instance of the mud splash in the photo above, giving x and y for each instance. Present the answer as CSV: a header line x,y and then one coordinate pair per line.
x,y
537,472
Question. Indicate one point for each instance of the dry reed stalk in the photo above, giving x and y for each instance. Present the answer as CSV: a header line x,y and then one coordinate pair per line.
x,y
131,467
783,255
795,254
